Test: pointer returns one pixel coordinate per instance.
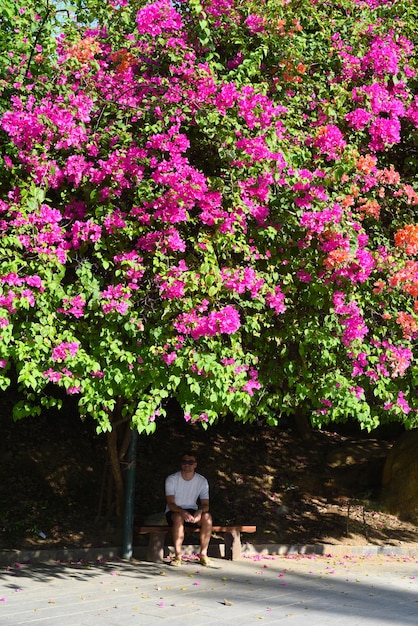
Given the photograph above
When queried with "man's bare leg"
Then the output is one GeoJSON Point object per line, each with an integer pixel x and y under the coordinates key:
{"type": "Point", "coordinates": [205, 533]}
{"type": "Point", "coordinates": [178, 533]}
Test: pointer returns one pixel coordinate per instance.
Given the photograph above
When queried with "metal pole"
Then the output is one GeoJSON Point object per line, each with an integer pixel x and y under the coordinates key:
{"type": "Point", "coordinates": [129, 503]}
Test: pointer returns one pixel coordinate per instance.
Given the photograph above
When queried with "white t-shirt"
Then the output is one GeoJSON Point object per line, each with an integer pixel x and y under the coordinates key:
{"type": "Point", "coordinates": [186, 492]}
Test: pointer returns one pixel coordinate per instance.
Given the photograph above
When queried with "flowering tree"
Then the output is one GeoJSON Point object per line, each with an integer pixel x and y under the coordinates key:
{"type": "Point", "coordinates": [213, 201]}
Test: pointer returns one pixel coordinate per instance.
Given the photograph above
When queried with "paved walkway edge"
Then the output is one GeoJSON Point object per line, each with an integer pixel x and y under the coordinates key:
{"type": "Point", "coordinates": [410, 549]}
{"type": "Point", "coordinates": [8, 557]}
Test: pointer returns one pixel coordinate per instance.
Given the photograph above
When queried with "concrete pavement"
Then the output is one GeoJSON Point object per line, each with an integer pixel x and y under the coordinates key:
{"type": "Point", "coordinates": [299, 590]}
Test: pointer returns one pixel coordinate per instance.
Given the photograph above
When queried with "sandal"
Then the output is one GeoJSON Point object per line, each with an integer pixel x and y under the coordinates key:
{"type": "Point", "coordinates": [206, 562]}
{"type": "Point", "coordinates": [176, 561]}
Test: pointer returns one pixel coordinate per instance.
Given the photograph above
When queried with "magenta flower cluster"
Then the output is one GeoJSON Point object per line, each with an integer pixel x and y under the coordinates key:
{"type": "Point", "coordinates": [350, 318]}
{"type": "Point", "coordinates": [225, 321]}
{"type": "Point", "coordinates": [383, 103]}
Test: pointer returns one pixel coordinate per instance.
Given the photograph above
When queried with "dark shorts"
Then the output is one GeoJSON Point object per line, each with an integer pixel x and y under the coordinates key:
{"type": "Point", "coordinates": [169, 514]}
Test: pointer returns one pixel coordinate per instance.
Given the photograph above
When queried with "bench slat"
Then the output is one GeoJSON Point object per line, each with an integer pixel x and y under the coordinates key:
{"type": "Point", "coordinates": [142, 530]}
{"type": "Point", "coordinates": [227, 529]}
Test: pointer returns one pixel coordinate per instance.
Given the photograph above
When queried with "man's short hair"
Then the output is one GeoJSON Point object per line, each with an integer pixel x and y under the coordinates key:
{"type": "Point", "coordinates": [189, 453]}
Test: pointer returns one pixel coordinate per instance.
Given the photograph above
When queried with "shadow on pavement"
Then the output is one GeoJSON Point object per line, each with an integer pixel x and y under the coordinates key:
{"type": "Point", "coordinates": [311, 592]}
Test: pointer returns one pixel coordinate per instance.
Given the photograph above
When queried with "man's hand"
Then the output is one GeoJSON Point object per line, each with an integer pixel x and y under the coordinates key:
{"type": "Point", "coordinates": [197, 516]}
{"type": "Point", "coordinates": [192, 518]}
{"type": "Point", "coordinates": [188, 517]}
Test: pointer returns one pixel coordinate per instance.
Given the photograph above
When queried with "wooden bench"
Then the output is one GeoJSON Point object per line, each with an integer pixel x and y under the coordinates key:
{"type": "Point", "coordinates": [230, 534]}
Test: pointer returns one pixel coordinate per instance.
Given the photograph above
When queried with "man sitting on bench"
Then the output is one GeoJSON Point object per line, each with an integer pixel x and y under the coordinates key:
{"type": "Point", "coordinates": [183, 490]}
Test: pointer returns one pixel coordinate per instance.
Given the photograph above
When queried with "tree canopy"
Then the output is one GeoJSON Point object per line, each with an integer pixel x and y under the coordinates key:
{"type": "Point", "coordinates": [211, 200]}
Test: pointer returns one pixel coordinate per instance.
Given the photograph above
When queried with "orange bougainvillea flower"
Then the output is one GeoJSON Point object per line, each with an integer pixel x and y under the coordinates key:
{"type": "Point", "coordinates": [408, 323]}
{"type": "Point", "coordinates": [406, 278]}
{"type": "Point", "coordinates": [407, 238]}
{"type": "Point", "coordinates": [290, 69]}
{"type": "Point", "coordinates": [123, 60]}
{"type": "Point", "coordinates": [379, 286]}
{"type": "Point", "coordinates": [366, 163]}
{"type": "Point", "coordinates": [411, 194]}
{"type": "Point", "coordinates": [84, 49]}
{"type": "Point", "coordinates": [354, 191]}
{"type": "Point", "coordinates": [347, 201]}
{"type": "Point", "coordinates": [389, 176]}
{"type": "Point", "coordinates": [336, 257]}
{"type": "Point", "coordinates": [370, 207]}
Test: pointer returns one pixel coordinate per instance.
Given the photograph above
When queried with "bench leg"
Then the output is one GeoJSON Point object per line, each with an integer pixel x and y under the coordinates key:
{"type": "Point", "coordinates": [155, 552]}
{"type": "Point", "coordinates": [232, 545]}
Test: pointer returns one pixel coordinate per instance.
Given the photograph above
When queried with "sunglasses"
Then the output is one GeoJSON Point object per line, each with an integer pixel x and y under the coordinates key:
{"type": "Point", "coordinates": [188, 462]}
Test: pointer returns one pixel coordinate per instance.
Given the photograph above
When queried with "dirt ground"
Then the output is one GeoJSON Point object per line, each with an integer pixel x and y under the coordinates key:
{"type": "Point", "coordinates": [324, 490]}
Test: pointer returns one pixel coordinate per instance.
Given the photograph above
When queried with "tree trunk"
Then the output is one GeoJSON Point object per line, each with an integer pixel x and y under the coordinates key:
{"type": "Point", "coordinates": [303, 426]}
{"type": "Point", "coordinates": [117, 445]}
{"type": "Point", "coordinates": [116, 472]}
